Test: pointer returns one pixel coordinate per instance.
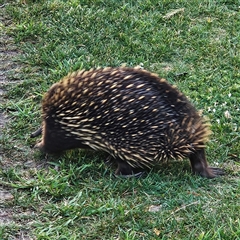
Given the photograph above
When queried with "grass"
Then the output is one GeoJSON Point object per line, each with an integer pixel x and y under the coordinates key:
{"type": "Point", "coordinates": [74, 195]}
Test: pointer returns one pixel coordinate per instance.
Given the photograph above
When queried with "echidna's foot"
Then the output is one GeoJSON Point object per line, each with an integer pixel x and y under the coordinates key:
{"type": "Point", "coordinates": [126, 170]}
{"type": "Point", "coordinates": [209, 172]}
{"type": "Point", "coordinates": [216, 171]}
{"type": "Point", "coordinates": [135, 175]}
{"type": "Point", "coordinates": [39, 146]}
{"type": "Point", "coordinates": [200, 166]}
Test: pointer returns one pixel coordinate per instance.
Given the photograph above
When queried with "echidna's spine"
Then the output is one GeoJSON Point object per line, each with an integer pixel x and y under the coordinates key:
{"type": "Point", "coordinates": [135, 116]}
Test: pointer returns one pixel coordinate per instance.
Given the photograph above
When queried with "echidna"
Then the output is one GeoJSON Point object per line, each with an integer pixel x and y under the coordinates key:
{"type": "Point", "coordinates": [132, 114]}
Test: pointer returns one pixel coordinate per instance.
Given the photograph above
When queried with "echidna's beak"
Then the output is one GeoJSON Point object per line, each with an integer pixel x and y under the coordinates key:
{"type": "Point", "coordinates": [36, 133]}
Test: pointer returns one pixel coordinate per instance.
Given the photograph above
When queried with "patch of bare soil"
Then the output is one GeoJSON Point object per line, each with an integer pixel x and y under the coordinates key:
{"type": "Point", "coordinates": [7, 54]}
{"type": "Point", "coordinates": [8, 65]}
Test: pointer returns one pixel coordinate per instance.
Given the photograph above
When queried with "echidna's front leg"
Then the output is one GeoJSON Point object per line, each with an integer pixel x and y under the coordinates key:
{"type": "Point", "coordinates": [200, 166]}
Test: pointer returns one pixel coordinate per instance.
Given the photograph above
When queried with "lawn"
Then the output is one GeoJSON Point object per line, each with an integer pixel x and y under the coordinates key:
{"type": "Point", "coordinates": [195, 45]}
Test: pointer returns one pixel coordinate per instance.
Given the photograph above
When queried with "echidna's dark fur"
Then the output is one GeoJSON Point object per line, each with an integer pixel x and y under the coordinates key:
{"type": "Point", "coordinates": [132, 114]}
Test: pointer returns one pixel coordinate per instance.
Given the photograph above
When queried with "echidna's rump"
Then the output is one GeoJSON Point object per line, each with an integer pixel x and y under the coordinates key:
{"type": "Point", "coordinates": [135, 116]}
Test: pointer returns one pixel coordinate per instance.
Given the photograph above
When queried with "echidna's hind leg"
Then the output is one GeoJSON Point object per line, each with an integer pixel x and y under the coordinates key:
{"type": "Point", "coordinates": [126, 170]}
{"type": "Point", "coordinates": [200, 166]}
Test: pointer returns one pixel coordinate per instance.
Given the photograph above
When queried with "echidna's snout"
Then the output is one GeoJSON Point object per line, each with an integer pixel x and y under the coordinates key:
{"type": "Point", "coordinates": [36, 133]}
